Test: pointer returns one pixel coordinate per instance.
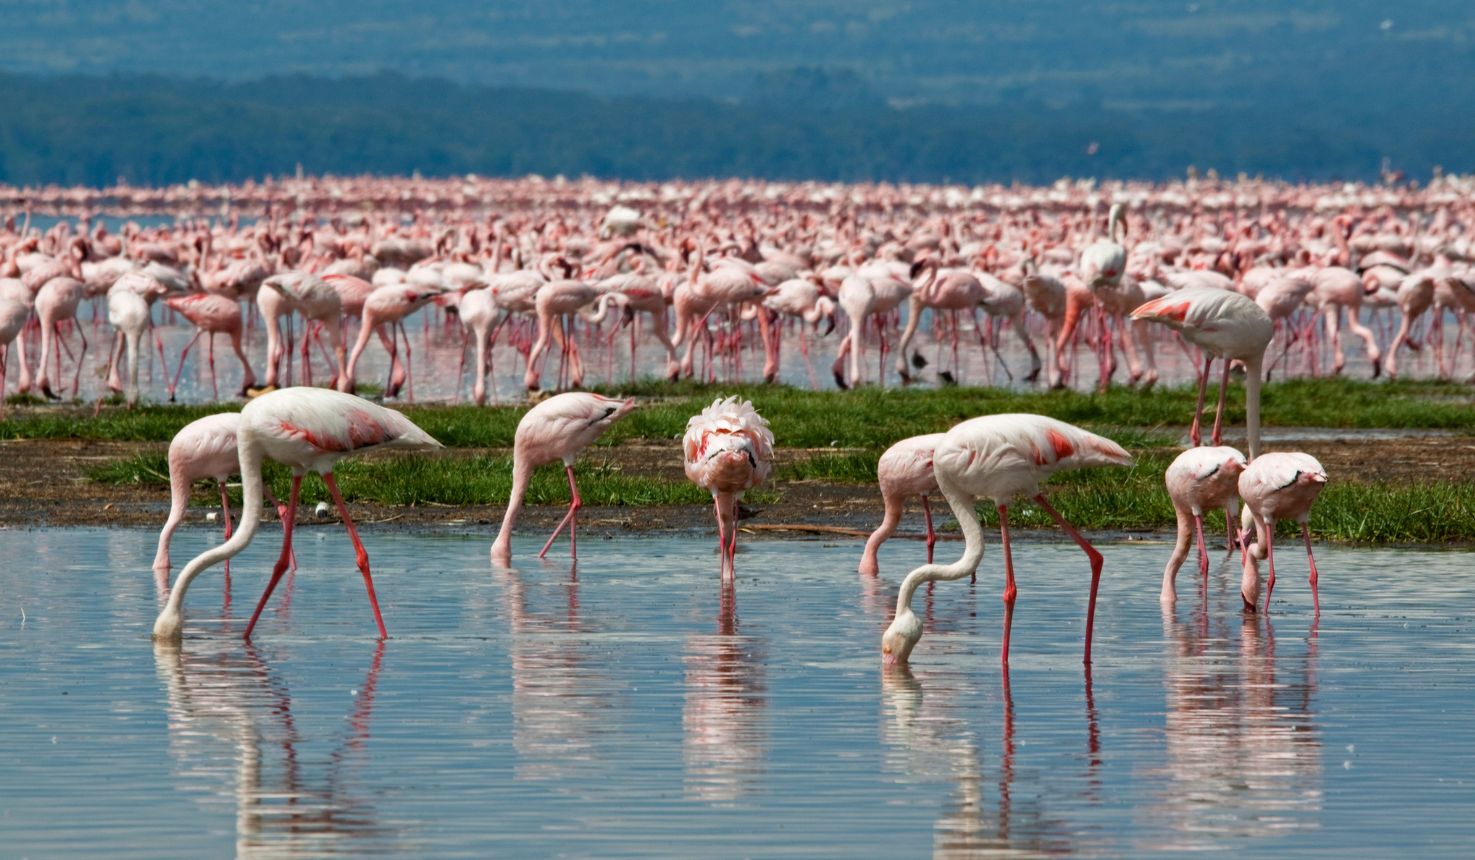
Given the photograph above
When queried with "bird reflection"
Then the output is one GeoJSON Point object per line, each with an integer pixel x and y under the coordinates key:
{"type": "Point", "coordinates": [555, 685]}
{"type": "Point", "coordinates": [1244, 752]}
{"type": "Point", "coordinates": [937, 744]}
{"type": "Point", "coordinates": [282, 807]}
{"type": "Point", "coordinates": [724, 733]}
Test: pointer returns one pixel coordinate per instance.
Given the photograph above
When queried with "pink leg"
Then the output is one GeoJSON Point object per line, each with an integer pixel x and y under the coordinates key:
{"type": "Point", "coordinates": [569, 519]}
{"type": "Point", "coordinates": [1096, 562]}
{"type": "Point", "coordinates": [1203, 551]}
{"type": "Point", "coordinates": [1219, 411]}
{"type": "Point", "coordinates": [225, 512]}
{"type": "Point", "coordinates": [1010, 592]}
{"type": "Point", "coordinates": [210, 351]}
{"type": "Point", "coordinates": [180, 371]}
{"type": "Point", "coordinates": [281, 566]}
{"type": "Point", "coordinates": [1269, 533]}
{"type": "Point", "coordinates": [358, 546]}
{"type": "Point", "coordinates": [721, 539]}
{"type": "Point", "coordinates": [281, 515]}
{"type": "Point", "coordinates": [1229, 527]}
{"type": "Point", "coordinates": [1311, 560]}
{"type": "Point", "coordinates": [1194, 435]}
{"type": "Point", "coordinates": [931, 535]}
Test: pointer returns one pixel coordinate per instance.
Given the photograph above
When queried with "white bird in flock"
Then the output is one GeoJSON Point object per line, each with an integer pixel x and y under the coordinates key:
{"type": "Point", "coordinates": [1223, 324]}
{"type": "Point", "coordinates": [1000, 457]}
{"type": "Point", "coordinates": [905, 469]}
{"type": "Point", "coordinates": [1278, 486]}
{"type": "Point", "coordinates": [728, 450]}
{"type": "Point", "coordinates": [1104, 261]}
{"type": "Point", "coordinates": [1200, 479]}
{"type": "Point", "coordinates": [307, 429]}
{"type": "Point", "coordinates": [556, 429]}
{"type": "Point", "coordinates": [130, 300]}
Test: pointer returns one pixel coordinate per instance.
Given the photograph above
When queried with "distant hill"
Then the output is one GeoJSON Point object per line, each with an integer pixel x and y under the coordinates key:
{"type": "Point", "coordinates": [798, 124]}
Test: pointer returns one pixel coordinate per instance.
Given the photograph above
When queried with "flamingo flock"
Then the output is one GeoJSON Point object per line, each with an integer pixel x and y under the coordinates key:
{"type": "Point", "coordinates": [713, 279]}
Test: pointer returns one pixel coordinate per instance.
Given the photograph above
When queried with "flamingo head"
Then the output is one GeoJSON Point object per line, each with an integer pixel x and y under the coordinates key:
{"type": "Point", "coordinates": [900, 638]}
{"type": "Point", "coordinates": [169, 626]}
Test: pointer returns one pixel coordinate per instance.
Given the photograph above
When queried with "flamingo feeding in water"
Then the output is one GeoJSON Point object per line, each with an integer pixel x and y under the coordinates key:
{"type": "Point", "coordinates": [729, 450]}
{"type": "Point", "coordinates": [1000, 457]}
{"type": "Point", "coordinates": [307, 429]}
{"type": "Point", "coordinates": [904, 470]}
{"type": "Point", "coordinates": [1200, 479]}
{"type": "Point", "coordinates": [556, 429]}
{"type": "Point", "coordinates": [212, 314]}
{"type": "Point", "coordinates": [1277, 486]}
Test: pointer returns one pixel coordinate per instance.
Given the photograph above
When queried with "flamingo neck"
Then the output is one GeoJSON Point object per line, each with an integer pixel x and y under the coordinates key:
{"type": "Point", "coordinates": [1253, 375]}
{"type": "Point", "coordinates": [967, 517]}
{"type": "Point", "coordinates": [522, 473]}
{"type": "Point", "coordinates": [250, 519]}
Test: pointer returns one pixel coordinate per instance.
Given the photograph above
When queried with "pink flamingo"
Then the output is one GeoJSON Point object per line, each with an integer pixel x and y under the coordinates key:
{"type": "Point", "coordinates": [478, 312]}
{"type": "Point", "coordinates": [905, 469]}
{"type": "Point", "coordinates": [1200, 479]}
{"type": "Point", "coordinates": [1278, 486]}
{"type": "Point", "coordinates": [1104, 261]}
{"type": "Point", "coordinates": [728, 450]}
{"type": "Point", "coordinates": [556, 429]}
{"type": "Point", "coordinates": [130, 302]}
{"type": "Point", "coordinates": [56, 302]}
{"type": "Point", "coordinates": [384, 312]}
{"type": "Point", "coordinates": [14, 313]}
{"type": "Point", "coordinates": [212, 314]}
{"type": "Point", "coordinates": [1223, 324]}
{"type": "Point", "coordinates": [862, 297]}
{"type": "Point", "coordinates": [561, 299]}
{"type": "Point", "coordinates": [1000, 457]}
{"type": "Point", "coordinates": [315, 299]}
{"type": "Point", "coordinates": [307, 429]}
{"type": "Point", "coordinates": [204, 448]}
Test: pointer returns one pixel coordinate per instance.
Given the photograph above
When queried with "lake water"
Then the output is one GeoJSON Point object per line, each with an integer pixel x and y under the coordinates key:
{"type": "Point", "coordinates": [626, 709]}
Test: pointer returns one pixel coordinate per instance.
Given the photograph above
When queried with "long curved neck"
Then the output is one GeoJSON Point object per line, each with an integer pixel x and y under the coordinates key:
{"type": "Point", "coordinates": [967, 517]}
{"type": "Point", "coordinates": [1253, 376]}
{"type": "Point", "coordinates": [522, 473]}
{"type": "Point", "coordinates": [251, 491]}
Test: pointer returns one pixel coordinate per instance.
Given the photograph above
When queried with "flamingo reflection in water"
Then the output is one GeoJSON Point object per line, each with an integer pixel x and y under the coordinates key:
{"type": "Point", "coordinates": [556, 682]}
{"type": "Point", "coordinates": [723, 720]}
{"type": "Point", "coordinates": [1243, 753]}
{"type": "Point", "coordinates": [231, 695]}
{"type": "Point", "coordinates": [938, 743]}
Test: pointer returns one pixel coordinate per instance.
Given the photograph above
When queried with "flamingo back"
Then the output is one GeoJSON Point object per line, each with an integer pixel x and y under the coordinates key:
{"type": "Point", "coordinates": [1006, 456]}
{"type": "Point", "coordinates": [729, 426]}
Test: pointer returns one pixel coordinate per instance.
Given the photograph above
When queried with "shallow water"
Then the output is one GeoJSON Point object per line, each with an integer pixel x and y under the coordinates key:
{"type": "Point", "coordinates": [626, 709]}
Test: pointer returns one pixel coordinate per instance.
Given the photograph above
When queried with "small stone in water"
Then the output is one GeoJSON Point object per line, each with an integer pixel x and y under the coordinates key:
{"type": "Point", "coordinates": [211, 517]}
{"type": "Point", "coordinates": [321, 510]}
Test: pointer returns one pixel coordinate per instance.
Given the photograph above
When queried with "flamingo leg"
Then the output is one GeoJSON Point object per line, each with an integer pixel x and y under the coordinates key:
{"type": "Point", "coordinates": [358, 547]}
{"type": "Point", "coordinates": [1269, 534]}
{"type": "Point", "coordinates": [1229, 525]}
{"type": "Point", "coordinates": [1203, 551]}
{"type": "Point", "coordinates": [1311, 560]}
{"type": "Point", "coordinates": [180, 371]}
{"type": "Point", "coordinates": [931, 534]}
{"type": "Point", "coordinates": [281, 566]}
{"type": "Point", "coordinates": [1095, 559]}
{"type": "Point", "coordinates": [1218, 436]}
{"type": "Point", "coordinates": [1194, 435]}
{"type": "Point", "coordinates": [281, 515]}
{"type": "Point", "coordinates": [1010, 591]}
{"type": "Point", "coordinates": [721, 539]}
{"type": "Point", "coordinates": [570, 519]}
{"type": "Point", "coordinates": [225, 512]}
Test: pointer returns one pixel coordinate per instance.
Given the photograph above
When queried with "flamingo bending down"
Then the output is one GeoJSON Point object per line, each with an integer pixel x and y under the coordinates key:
{"type": "Point", "coordinates": [1000, 457]}
{"type": "Point", "coordinates": [13, 316]}
{"type": "Point", "coordinates": [384, 312]}
{"type": "Point", "coordinates": [1223, 324]}
{"type": "Point", "coordinates": [1200, 479]}
{"type": "Point", "coordinates": [130, 301]}
{"type": "Point", "coordinates": [1277, 486]}
{"type": "Point", "coordinates": [556, 429]}
{"type": "Point", "coordinates": [57, 301]}
{"type": "Point", "coordinates": [728, 450]}
{"type": "Point", "coordinates": [308, 429]}
{"type": "Point", "coordinates": [478, 312]}
{"type": "Point", "coordinates": [904, 470]}
{"type": "Point", "coordinates": [212, 314]}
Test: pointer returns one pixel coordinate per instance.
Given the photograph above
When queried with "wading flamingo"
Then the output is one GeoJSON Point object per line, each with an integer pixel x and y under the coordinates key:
{"type": "Point", "coordinates": [308, 429]}
{"type": "Point", "coordinates": [212, 314]}
{"type": "Point", "coordinates": [1277, 486]}
{"type": "Point", "coordinates": [728, 450]}
{"type": "Point", "coordinates": [1200, 479]}
{"type": "Point", "coordinates": [1225, 325]}
{"type": "Point", "coordinates": [1000, 457]}
{"type": "Point", "coordinates": [904, 470]}
{"type": "Point", "coordinates": [556, 429]}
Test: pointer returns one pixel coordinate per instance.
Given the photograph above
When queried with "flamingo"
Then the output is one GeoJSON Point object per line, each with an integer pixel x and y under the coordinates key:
{"type": "Point", "coordinates": [905, 469]}
{"type": "Point", "coordinates": [1104, 261]}
{"type": "Point", "coordinates": [130, 300]}
{"type": "Point", "coordinates": [57, 301]}
{"type": "Point", "coordinates": [561, 299]}
{"type": "Point", "coordinates": [729, 450]}
{"type": "Point", "coordinates": [477, 309]}
{"type": "Point", "coordinates": [1200, 479]}
{"type": "Point", "coordinates": [862, 297]}
{"type": "Point", "coordinates": [384, 312]}
{"type": "Point", "coordinates": [1000, 457]}
{"type": "Point", "coordinates": [1223, 324]}
{"type": "Point", "coordinates": [556, 429]}
{"type": "Point", "coordinates": [307, 429]}
{"type": "Point", "coordinates": [1278, 486]}
{"type": "Point", "coordinates": [212, 314]}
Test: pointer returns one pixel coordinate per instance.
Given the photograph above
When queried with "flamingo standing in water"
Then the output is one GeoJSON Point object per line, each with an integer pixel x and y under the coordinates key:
{"type": "Point", "coordinates": [556, 429]}
{"type": "Point", "coordinates": [212, 314]}
{"type": "Point", "coordinates": [1200, 479]}
{"type": "Point", "coordinates": [1278, 486]}
{"type": "Point", "coordinates": [729, 450]}
{"type": "Point", "coordinates": [1223, 324]}
{"type": "Point", "coordinates": [384, 312]}
{"type": "Point", "coordinates": [307, 429]}
{"type": "Point", "coordinates": [130, 302]}
{"type": "Point", "coordinates": [904, 470]}
{"type": "Point", "coordinates": [1000, 457]}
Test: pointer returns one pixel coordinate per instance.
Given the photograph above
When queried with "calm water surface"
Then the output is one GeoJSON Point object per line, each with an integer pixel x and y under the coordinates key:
{"type": "Point", "coordinates": [626, 708]}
